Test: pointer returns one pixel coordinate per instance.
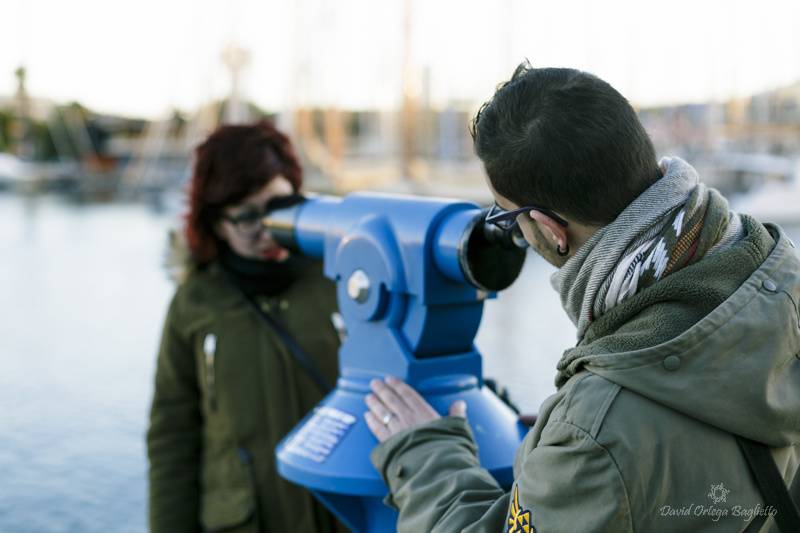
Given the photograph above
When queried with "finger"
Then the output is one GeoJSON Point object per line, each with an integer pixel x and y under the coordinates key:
{"type": "Point", "coordinates": [376, 407]}
{"type": "Point", "coordinates": [410, 396]}
{"type": "Point", "coordinates": [459, 408]}
{"type": "Point", "coordinates": [380, 412]}
{"type": "Point", "coordinates": [380, 431]}
{"type": "Point", "coordinates": [390, 398]}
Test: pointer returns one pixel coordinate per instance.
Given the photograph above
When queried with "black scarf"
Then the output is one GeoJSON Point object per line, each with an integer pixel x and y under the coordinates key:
{"type": "Point", "coordinates": [259, 277]}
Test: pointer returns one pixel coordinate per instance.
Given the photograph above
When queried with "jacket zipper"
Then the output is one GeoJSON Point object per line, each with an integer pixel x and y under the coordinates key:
{"type": "Point", "coordinates": [210, 350]}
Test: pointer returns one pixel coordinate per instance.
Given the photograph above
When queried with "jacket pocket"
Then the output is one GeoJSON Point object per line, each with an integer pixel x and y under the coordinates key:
{"type": "Point", "coordinates": [228, 500]}
{"type": "Point", "coordinates": [225, 509]}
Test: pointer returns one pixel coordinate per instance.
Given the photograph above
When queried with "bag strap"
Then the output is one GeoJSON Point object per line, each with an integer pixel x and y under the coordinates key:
{"type": "Point", "coordinates": [299, 354]}
{"type": "Point", "coordinates": [771, 484]}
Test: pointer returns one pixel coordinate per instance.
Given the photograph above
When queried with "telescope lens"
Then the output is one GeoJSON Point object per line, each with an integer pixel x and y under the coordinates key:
{"type": "Point", "coordinates": [492, 258]}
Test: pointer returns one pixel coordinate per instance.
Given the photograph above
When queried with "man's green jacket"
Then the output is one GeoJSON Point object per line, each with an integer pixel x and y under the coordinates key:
{"type": "Point", "coordinates": [640, 435]}
{"type": "Point", "coordinates": [226, 391]}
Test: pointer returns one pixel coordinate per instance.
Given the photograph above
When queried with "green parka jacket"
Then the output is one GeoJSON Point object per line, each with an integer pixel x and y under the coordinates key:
{"type": "Point", "coordinates": [639, 436]}
{"type": "Point", "coordinates": [226, 391]}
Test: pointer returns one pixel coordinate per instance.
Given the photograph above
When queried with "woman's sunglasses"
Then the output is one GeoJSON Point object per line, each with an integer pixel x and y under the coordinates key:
{"type": "Point", "coordinates": [248, 223]}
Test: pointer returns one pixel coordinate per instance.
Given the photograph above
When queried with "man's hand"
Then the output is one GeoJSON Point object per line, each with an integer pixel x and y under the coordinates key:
{"type": "Point", "coordinates": [394, 406]}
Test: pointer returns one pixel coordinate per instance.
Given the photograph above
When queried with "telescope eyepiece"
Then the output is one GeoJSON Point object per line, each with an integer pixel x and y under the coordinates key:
{"type": "Point", "coordinates": [491, 258]}
{"type": "Point", "coordinates": [280, 219]}
{"type": "Point", "coordinates": [507, 238]}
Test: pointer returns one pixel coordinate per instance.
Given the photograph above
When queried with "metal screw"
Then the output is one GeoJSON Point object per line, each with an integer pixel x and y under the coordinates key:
{"type": "Point", "coordinates": [358, 286]}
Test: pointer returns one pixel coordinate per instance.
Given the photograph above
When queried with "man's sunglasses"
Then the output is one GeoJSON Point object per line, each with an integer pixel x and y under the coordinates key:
{"type": "Point", "coordinates": [506, 220]}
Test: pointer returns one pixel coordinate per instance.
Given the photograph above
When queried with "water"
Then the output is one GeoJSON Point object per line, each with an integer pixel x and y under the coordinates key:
{"type": "Point", "coordinates": [84, 296]}
{"type": "Point", "coordinates": [83, 299]}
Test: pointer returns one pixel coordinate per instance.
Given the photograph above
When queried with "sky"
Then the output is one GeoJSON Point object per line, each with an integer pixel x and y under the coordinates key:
{"type": "Point", "coordinates": [147, 57]}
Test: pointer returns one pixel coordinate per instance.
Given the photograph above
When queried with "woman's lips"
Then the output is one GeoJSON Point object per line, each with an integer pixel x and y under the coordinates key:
{"type": "Point", "coordinates": [275, 253]}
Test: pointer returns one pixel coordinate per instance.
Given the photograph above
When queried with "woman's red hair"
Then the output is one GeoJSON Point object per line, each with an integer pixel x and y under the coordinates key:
{"type": "Point", "coordinates": [232, 163]}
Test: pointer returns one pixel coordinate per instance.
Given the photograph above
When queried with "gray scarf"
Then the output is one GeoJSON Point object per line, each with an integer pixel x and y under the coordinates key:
{"type": "Point", "coordinates": [607, 268]}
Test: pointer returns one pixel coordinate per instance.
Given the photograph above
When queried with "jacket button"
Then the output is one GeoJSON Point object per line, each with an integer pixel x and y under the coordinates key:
{"type": "Point", "coordinates": [266, 307]}
{"type": "Point", "coordinates": [769, 285]}
{"type": "Point", "coordinates": [672, 362]}
{"type": "Point", "coordinates": [284, 305]}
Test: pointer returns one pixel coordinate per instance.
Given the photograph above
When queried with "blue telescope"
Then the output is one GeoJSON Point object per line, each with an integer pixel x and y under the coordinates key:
{"type": "Point", "coordinates": [411, 275]}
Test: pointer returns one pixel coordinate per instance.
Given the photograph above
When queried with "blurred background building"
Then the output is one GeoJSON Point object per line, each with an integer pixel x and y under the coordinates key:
{"type": "Point", "coordinates": [382, 96]}
{"type": "Point", "coordinates": [738, 144]}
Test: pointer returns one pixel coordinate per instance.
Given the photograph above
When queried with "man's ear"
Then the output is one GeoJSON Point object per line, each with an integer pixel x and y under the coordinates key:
{"type": "Point", "coordinates": [551, 228]}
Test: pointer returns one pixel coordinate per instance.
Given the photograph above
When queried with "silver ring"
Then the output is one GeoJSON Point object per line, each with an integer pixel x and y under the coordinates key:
{"type": "Point", "coordinates": [387, 418]}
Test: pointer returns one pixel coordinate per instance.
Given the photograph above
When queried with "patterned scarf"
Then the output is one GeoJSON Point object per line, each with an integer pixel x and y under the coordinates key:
{"type": "Point", "coordinates": [657, 234]}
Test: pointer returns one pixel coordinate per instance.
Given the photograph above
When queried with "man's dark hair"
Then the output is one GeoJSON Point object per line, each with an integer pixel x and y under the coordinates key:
{"type": "Point", "coordinates": [565, 140]}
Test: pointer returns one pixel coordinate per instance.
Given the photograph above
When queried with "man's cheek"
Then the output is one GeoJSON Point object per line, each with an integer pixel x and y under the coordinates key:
{"type": "Point", "coordinates": [536, 237]}
{"type": "Point", "coordinates": [528, 233]}
{"type": "Point", "coordinates": [542, 246]}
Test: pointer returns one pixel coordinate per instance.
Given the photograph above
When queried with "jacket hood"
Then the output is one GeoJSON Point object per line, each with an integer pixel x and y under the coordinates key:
{"type": "Point", "coordinates": [738, 367]}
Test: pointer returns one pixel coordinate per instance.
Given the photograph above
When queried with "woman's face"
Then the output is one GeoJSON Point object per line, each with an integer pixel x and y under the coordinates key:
{"type": "Point", "coordinates": [247, 237]}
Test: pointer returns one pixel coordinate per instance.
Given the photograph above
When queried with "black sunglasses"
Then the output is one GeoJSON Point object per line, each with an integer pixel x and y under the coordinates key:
{"type": "Point", "coordinates": [506, 220]}
{"type": "Point", "coordinates": [249, 222]}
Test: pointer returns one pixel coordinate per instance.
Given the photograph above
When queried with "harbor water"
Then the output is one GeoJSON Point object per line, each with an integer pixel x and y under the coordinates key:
{"type": "Point", "coordinates": [84, 293]}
